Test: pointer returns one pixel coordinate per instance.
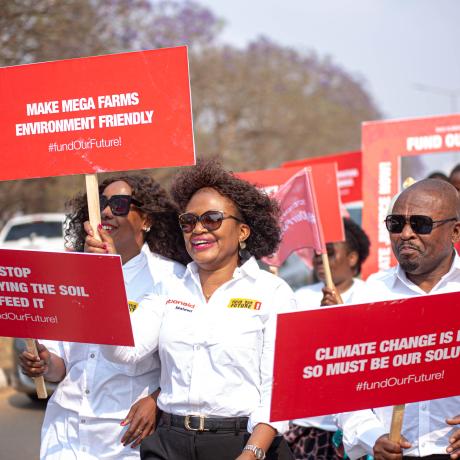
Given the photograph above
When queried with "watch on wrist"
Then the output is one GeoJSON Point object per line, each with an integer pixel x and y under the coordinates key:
{"type": "Point", "coordinates": [257, 451]}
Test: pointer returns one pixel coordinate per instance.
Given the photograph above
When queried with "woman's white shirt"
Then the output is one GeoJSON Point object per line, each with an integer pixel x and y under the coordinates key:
{"type": "Point", "coordinates": [217, 356]}
{"type": "Point", "coordinates": [162, 267]}
{"type": "Point", "coordinates": [95, 386]}
{"type": "Point", "coordinates": [82, 419]}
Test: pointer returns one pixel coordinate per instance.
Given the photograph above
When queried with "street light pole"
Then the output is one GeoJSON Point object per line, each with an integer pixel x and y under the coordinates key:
{"type": "Point", "coordinates": [452, 94]}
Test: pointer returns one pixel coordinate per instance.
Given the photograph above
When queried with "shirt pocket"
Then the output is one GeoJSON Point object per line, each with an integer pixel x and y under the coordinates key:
{"type": "Point", "coordinates": [237, 341]}
{"type": "Point", "coordinates": [74, 353]}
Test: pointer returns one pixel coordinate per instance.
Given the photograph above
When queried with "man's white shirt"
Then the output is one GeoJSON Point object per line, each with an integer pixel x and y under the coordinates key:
{"type": "Point", "coordinates": [424, 423]}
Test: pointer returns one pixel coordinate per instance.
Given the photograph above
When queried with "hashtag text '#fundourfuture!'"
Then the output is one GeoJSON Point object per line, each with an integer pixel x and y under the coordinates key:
{"type": "Point", "coordinates": [399, 381]}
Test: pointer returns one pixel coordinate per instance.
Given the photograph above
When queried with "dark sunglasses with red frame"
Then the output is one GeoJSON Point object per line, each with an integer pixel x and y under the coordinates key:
{"type": "Point", "coordinates": [210, 220]}
{"type": "Point", "coordinates": [119, 204]}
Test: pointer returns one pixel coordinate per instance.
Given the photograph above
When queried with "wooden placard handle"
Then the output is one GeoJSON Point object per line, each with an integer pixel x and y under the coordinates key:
{"type": "Point", "coordinates": [92, 194]}
{"type": "Point", "coordinates": [328, 275]}
{"type": "Point", "coordinates": [39, 381]}
{"type": "Point", "coordinates": [396, 422]}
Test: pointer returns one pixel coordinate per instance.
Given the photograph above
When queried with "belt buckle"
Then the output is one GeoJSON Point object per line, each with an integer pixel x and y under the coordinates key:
{"type": "Point", "coordinates": [200, 426]}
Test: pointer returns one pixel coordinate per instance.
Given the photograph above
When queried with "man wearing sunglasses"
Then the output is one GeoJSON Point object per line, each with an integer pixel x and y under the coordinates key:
{"type": "Point", "coordinates": [423, 227]}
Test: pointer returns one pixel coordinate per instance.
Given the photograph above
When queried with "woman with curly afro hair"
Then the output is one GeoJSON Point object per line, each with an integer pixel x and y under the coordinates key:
{"type": "Point", "coordinates": [100, 407]}
{"type": "Point", "coordinates": [218, 331]}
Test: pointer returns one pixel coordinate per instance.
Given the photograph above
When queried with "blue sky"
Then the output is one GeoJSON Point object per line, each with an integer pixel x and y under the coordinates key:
{"type": "Point", "coordinates": [392, 45]}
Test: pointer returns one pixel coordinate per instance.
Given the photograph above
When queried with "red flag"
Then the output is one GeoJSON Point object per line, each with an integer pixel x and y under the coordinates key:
{"type": "Point", "coordinates": [299, 218]}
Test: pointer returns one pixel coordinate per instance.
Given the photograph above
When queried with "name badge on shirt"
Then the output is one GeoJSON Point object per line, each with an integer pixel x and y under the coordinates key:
{"type": "Point", "coordinates": [181, 305]}
{"type": "Point", "coordinates": [247, 304]}
{"type": "Point", "coordinates": [132, 306]}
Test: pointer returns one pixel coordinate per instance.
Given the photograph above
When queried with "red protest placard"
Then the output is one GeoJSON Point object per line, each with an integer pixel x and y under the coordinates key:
{"type": "Point", "coordinates": [349, 172]}
{"type": "Point", "coordinates": [97, 114]}
{"type": "Point", "coordinates": [354, 357]}
{"type": "Point", "coordinates": [393, 151]}
{"type": "Point", "coordinates": [269, 179]}
{"type": "Point", "coordinates": [85, 302]}
{"type": "Point", "coordinates": [325, 186]}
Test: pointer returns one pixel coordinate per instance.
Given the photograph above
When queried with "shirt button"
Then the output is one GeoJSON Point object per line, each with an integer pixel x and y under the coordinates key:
{"type": "Point", "coordinates": [87, 392]}
{"type": "Point", "coordinates": [92, 355]}
{"type": "Point", "coordinates": [423, 406]}
{"type": "Point", "coordinates": [197, 347]}
{"type": "Point", "coordinates": [83, 420]}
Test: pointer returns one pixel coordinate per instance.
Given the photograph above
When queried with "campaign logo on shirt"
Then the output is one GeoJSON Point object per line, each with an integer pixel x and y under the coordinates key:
{"type": "Point", "coordinates": [132, 306]}
{"type": "Point", "coordinates": [248, 304]}
{"type": "Point", "coordinates": [181, 305]}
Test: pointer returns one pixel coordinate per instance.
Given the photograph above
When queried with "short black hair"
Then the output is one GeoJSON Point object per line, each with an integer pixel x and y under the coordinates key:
{"type": "Point", "coordinates": [356, 240]}
{"type": "Point", "coordinates": [438, 175]}
{"type": "Point", "coordinates": [257, 210]}
{"type": "Point", "coordinates": [164, 237]}
{"type": "Point", "coordinates": [454, 171]}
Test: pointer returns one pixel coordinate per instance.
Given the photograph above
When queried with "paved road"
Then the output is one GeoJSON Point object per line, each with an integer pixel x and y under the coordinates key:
{"type": "Point", "coordinates": [20, 423]}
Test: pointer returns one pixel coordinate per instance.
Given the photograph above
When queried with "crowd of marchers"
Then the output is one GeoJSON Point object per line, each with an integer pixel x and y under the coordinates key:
{"type": "Point", "coordinates": [197, 384]}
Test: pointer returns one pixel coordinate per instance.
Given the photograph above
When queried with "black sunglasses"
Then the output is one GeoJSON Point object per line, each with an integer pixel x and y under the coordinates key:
{"type": "Point", "coordinates": [119, 204]}
{"type": "Point", "coordinates": [422, 225]}
{"type": "Point", "coordinates": [210, 220]}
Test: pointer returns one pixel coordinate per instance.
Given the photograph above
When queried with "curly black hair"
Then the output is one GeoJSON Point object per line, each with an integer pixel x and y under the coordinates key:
{"type": "Point", "coordinates": [164, 238]}
{"type": "Point", "coordinates": [356, 240]}
{"type": "Point", "coordinates": [257, 210]}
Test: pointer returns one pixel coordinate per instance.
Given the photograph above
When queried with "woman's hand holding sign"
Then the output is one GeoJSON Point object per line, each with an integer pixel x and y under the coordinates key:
{"type": "Point", "coordinates": [330, 297]}
{"type": "Point", "coordinates": [93, 245]}
{"type": "Point", "coordinates": [46, 364]}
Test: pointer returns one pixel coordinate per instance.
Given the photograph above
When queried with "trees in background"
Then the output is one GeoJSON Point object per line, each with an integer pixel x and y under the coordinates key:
{"type": "Point", "coordinates": [254, 106]}
{"type": "Point", "coordinates": [266, 103]}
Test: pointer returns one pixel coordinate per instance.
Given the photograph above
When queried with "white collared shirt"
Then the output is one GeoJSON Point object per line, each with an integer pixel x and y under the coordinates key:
{"type": "Point", "coordinates": [161, 267]}
{"type": "Point", "coordinates": [424, 423]}
{"type": "Point", "coordinates": [97, 387]}
{"type": "Point", "coordinates": [217, 357]}
{"type": "Point", "coordinates": [309, 298]}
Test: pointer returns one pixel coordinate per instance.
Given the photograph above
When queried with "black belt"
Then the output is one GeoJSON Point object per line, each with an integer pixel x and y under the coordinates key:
{"type": "Point", "coordinates": [202, 423]}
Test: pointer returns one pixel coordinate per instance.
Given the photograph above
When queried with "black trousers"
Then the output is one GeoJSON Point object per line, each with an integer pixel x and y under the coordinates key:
{"type": "Point", "coordinates": [172, 443]}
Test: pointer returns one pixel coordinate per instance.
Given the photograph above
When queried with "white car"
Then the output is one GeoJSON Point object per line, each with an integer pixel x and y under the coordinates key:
{"type": "Point", "coordinates": [40, 232]}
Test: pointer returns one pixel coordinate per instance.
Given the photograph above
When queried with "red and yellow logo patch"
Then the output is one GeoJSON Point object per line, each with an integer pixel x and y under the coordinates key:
{"type": "Point", "coordinates": [132, 306]}
{"type": "Point", "coordinates": [247, 304]}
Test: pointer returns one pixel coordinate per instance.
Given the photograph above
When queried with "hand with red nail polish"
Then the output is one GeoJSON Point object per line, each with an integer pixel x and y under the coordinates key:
{"type": "Point", "coordinates": [95, 246]}
{"type": "Point", "coordinates": [141, 420]}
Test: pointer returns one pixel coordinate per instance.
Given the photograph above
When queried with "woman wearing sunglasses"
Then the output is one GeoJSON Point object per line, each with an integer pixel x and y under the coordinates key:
{"type": "Point", "coordinates": [217, 337]}
{"type": "Point", "coordinates": [89, 414]}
